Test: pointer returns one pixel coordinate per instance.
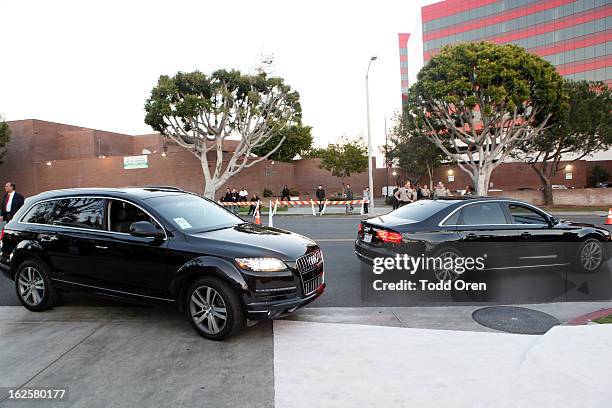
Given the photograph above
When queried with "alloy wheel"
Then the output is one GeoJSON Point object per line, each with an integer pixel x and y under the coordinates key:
{"type": "Point", "coordinates": [446, 274]}
{"type": "Point", "coordinates": [591, 255]}
{"type": "Point", "coordinates": [208, 310]}
{"type": "Point", "coordinates": [31, 286]}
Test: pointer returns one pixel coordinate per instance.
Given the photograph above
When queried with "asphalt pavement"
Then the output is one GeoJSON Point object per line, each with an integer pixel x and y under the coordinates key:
{"type": "Point", "coordinates": [335, 234]}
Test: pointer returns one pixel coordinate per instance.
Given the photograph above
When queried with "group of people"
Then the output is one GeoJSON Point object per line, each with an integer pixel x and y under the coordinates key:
{"type": "Point", "coordinates": [407, 194]}
{"type": "Point", "coordinates": [234, 196]}
{"type": "Point", "coordinates": [348, 195]}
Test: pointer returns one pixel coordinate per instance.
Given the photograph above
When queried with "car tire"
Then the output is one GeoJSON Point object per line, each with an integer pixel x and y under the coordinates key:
{"type": "Point", "coordinates": [590, 255]}
{"type": "Point", "coordinates": [442, 275]}
{"type": "Point", "coordinates": [214, 308]}
{"type": "Point", "coordinates": [33, 286]}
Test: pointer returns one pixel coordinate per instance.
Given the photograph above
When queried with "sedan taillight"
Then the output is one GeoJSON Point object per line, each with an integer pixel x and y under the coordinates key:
{"type": "Point", "coordinates": [360, 228]}
{"type": "Point", "coordinates": [2, 234]}
{"type": "Point", "coordinates": [389, 236]}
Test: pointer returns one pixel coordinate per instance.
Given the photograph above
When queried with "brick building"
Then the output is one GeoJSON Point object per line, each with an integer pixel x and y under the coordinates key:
{"type": "Point", "coordinates": [45, 155]}
{"type": "Point", "coordinates": [573, 35]}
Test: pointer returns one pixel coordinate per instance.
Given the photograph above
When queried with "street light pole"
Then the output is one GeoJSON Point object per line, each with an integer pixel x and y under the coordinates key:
{"type": "Point", "coordinates": [370, 177]}
{"type": "Point", "coordinates": [386, 160]}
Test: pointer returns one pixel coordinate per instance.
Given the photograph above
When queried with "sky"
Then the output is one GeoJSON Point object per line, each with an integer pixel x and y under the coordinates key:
{"type": "Point", "coordinates": [93, 64]}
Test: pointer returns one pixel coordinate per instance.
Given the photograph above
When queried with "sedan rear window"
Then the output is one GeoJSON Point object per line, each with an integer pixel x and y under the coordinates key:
{"type": "Point", "coordinates": [482, 214]}
{"type": "Point", "coordinates": [191, 213]}
{"type": "Point", "coordinates": [420, 210]}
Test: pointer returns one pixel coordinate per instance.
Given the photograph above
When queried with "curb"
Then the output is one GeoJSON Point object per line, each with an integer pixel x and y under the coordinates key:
{"type": "Point", "coordinates": [589, 317]}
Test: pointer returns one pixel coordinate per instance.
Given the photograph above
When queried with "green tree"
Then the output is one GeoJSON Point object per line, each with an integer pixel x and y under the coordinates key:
{"type": "Point", "coordinates": [199, 112]}
{"type": "Point", "coordinates": [5, 137]}
{"type": "Point", "coordinates": [413, 150]}
{"type": "Point", "coordinates": [313, 152]}
{"type": "Point", "coordinates": [480, 101]}
{"type": "Point", "coordinates": [297, 140]}
{"type": "Point", "coordinates": [586, 129]}
{"type": "Point", "coordinates": [349, 156]}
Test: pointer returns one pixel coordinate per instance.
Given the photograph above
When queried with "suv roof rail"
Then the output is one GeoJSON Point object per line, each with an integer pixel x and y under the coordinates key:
{"type": "Point", "coordinates": [154, 187]}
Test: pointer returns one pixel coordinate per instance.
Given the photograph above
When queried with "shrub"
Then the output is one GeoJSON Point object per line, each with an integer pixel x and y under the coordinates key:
{"type": "Point", "coordinates": [267, 192]}
{"type": "Point", "coordinates": [293, 192]}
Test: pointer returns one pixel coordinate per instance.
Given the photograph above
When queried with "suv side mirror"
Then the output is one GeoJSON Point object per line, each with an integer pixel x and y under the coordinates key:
{"type": "Point", "coordinates": [145, 229]}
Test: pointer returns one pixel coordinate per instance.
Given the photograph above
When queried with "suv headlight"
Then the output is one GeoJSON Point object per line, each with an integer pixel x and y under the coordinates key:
{"type": "Point", "coordinates": [261, 264]}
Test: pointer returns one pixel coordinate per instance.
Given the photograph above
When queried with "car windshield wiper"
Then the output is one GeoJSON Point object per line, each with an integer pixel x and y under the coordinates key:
{"type": "Point", "coordinates": [220, 227]}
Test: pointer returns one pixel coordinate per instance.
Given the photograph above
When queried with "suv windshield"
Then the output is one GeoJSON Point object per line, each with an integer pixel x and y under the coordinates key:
{"type": "Point", "coordinates": [193, 213]}
{"type": "Point", "coordinates": [420, 210]}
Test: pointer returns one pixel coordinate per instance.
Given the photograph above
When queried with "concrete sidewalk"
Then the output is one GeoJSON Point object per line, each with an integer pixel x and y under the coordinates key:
{"type": "Point", "coordinates": [346, 365]}
{"type": "Point", "coordinates": [132, 357]}
{"type": "Point", "coordinates": [434, 317]}
{"type": "Point", "coordinates": [129, 356]}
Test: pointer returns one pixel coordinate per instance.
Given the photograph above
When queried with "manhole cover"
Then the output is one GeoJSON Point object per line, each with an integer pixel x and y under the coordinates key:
{"type": "Point", "coordinates": [514, 319]}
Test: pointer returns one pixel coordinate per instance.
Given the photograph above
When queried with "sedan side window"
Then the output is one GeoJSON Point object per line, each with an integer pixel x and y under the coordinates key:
{"type": "Point", "coordinates": [39, 213]}
{"type": "Point", "coordinates": [80, 212]}
{"type": "Point", "coordinates": [482, 214]}
{"type": "Point", "coordinates": [121, 215]}
{"type": "Point", "coordinates": [525, 215]}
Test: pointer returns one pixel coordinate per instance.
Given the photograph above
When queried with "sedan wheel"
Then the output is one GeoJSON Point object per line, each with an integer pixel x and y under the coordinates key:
{"type": "Point", "coordinates": [208, 310]}
{"type": "Point", "coordinates": [446, 274]}
{"type": "Point", "coordinates": [591, 255]}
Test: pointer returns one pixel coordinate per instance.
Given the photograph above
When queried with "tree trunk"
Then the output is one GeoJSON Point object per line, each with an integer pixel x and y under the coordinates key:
{"type": "Point", "coordinates": [209, 190]}
{"type": "Point", "coordinates": [482, 181]}
{"type": "Point", "coordinates": [546, 184]}
{"type": "Point", "coordinates": [430, 174]}
{"type": "Point", "coordinates": [548, 194]}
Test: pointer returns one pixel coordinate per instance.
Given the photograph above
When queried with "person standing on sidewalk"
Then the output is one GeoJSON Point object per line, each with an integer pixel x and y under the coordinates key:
{"type": "Point", "coordinates": [235, 197]}
{"type": "Point", "coordinates": [366, 197]}
{"type": "Point", "coordinates": [11, 202]}
{"type": "Point", "coordinates": [405, 195]}
{"type": "Point", "coordinates": [441, 190]}
{"type": "Point", "coordinates": [349, 196]}
{"type": "Point", "coordinates": [285, 193]}
{"type": "Point", "coordinates": [254, 201]}
{"type": "Point", "coordinates": [425, 192]}
{"type": "Point", "coordinates": [395, 200]}
{"type": "Point", "coordinates": [321, 197]}
{"type": "Point", "coordinates": [243, 194]}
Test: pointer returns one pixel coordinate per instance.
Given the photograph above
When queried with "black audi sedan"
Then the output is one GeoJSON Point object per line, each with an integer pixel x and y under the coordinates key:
{"type": "Point", "coordinates": [158, 244]}
{"type": "Point", "coordinates": [504, 233]}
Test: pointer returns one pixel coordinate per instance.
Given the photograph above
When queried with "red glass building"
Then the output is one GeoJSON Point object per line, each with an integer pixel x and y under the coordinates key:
{"type": "Point", "coordinates": [574, 35]}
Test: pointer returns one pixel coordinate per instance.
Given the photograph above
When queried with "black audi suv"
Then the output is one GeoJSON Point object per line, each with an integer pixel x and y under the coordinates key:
{"type": "Point", "coordinates": [159, 244]}
{"type": "Point", "coordinates": [508, 234]}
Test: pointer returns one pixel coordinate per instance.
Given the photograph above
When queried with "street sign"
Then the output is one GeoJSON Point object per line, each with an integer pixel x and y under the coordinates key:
{"type": "Point", "coordinates": [135, 162]}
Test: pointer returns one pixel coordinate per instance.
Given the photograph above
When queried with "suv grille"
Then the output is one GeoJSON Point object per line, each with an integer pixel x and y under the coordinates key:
{"type": "Point", "coordinates": [313, 284]}
{"type": "Point", "coordinates": [310, 267]}
{"type": "Point", "coordinates": [309, 262]}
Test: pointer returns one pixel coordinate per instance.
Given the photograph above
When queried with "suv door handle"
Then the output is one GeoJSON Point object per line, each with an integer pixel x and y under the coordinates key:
{"type": "Point", "coordinates": [101, 247]}
{"type": "Point", "coordinates": [525, 234]}
{"type": "Point", "coordinates": [47, 238]}
{"type": "Point", "coordinates": [471, 235]}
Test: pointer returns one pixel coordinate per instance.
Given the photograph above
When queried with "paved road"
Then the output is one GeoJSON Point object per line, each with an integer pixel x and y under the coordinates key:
{"type": "Point", "coordinates": [335, 235]}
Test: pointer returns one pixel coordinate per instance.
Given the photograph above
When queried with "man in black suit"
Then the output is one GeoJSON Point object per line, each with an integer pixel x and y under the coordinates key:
{"type": "Point", "coordinates": [11, 202]}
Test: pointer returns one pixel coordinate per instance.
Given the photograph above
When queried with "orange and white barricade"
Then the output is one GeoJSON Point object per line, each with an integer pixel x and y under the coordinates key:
{"type": "Point", "coordinates": [275, 204]}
